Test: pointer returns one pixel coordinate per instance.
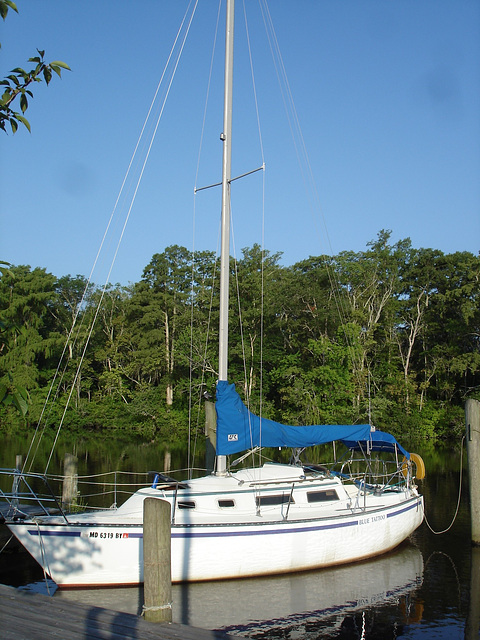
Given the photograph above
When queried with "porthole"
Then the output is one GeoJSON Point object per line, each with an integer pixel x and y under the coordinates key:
{"type": "Point", "coordinates": [226, 504]}
{"type": "Point", "coordinates": [186, 504]}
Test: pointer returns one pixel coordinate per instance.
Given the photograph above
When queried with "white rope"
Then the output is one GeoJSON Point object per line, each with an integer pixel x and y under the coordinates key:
{"type": "Point", "coordinates": [6, 544]}
{"type": "Point", "coordinates": [437, 533]}
{"type": "Point", "coordinates": [362, 637]}
{"type": "Point", "coordinates": [162, 607]}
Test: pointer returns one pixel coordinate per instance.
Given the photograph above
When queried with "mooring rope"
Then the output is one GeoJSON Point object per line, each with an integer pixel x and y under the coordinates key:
{"type": "Point", "coordinates": [6, 544]}
{"type": "Point", "coordinates": [44, 559]}
{"type": "Point", "coordinates": [363, 626]}
{"type": "Point", "coordinates": [161, 607]}
{"type": "Point", "coordinates": [437, 533]}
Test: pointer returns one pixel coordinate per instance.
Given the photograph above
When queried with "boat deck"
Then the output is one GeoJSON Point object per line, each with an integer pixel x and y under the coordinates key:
{"type": "Point", "coordinates": [32, 616]}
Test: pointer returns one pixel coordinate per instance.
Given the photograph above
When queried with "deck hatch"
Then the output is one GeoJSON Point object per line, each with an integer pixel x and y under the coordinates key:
{"type": "Point", "coordinates": [328, 495]}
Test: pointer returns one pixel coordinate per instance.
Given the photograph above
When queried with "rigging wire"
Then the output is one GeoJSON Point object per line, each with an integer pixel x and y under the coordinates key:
{"type": "Point", "coordinates": [309, 183]}
{"type": "Point", "coordinates": [130, 207]}
{"type": "Point", "coordinates": [247, 384]}
{"type": "Point", "coordinates": [177, 46]}
{"type": "Point", "coordinates": [262, 297]}
{"type": "Point", "coordinates": [248, 376]}
{"type": "Point", "coordinates": [307, 174]}
{"type": "Point", "coordinates": [190, 454]}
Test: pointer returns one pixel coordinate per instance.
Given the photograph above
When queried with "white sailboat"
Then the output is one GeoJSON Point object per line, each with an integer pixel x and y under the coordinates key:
{"type": "Point", "coordinates": [256, 521]}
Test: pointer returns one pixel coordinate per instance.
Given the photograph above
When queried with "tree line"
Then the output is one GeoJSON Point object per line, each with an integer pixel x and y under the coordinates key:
{"type": "Point", "coordinates": [388, 335]}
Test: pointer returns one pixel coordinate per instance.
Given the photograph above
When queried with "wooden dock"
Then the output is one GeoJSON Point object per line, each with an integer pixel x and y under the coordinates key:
{"type": "Point", "coordinates": [32, 616]}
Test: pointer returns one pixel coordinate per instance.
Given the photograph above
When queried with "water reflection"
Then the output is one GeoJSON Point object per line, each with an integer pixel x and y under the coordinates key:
{"type": "Point", "coordinates": [287, 603]}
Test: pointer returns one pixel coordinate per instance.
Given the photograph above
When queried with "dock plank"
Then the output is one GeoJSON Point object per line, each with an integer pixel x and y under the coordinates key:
{"type": "Point", "coordinates": [32, 616]}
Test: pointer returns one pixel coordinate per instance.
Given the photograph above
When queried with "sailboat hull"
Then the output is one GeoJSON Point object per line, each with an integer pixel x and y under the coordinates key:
{"type": "Point", "coordinates": [111, 552]}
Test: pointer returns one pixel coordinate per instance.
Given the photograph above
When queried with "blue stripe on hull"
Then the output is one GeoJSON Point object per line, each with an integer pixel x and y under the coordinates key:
{"type": "Point", "coordinates": [226, 533]}
{"type": "Point", "coordinates": [410, 506]}
{"type": "Point", "coordinates": [55, 534]}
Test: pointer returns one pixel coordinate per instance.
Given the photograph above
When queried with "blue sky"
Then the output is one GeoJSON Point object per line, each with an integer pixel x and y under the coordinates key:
{"type": "Point", "coordinates": [387, 95]}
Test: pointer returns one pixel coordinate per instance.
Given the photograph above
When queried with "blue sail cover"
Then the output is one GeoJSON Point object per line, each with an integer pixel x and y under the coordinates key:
{"type": "Point", "coordinates": [239, 430]}
{"type": "Point", "coordinates": [378, 441]}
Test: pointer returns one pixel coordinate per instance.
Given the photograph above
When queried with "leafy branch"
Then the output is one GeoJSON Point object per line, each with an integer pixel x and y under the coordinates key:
{"type": "Point", "coordinates": [12, 394]}
{"type": "Point", "coordinates": [5, 5]}
{"type": "Point", "coordinates": [16, 84]}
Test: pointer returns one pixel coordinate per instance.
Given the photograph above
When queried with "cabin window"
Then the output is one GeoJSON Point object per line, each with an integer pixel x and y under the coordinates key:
{"type": "Point", "coordinates": [269, 500]}
{"type": "Point", "coordinates": [226, 504]}
{"type": "Point", "coordinates": [186, 504]}
{"type": "Point", "coordinates": [322, 496]}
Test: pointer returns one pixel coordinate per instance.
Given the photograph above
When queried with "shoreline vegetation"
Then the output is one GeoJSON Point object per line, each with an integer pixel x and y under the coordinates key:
{"type": "Point", "coordinates": [395, 341]}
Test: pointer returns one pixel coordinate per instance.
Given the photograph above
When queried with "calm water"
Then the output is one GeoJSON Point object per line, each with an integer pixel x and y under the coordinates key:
{"type": "Point", "coordinates": [422, 590]}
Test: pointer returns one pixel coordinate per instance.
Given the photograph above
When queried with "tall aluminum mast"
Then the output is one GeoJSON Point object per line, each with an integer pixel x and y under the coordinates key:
{"type": "Point", "coordinates": [226, 137]}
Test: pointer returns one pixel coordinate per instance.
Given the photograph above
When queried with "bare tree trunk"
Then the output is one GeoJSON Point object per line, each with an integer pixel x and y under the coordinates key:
{"type": "Point", "coordinates": [168, 362]}
{"type": "Point", "coordinates": [414, 329]}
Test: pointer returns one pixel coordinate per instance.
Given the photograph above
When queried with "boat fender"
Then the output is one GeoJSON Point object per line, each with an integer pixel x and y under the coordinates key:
{"type": "Point", "coordinates": [419, 466]}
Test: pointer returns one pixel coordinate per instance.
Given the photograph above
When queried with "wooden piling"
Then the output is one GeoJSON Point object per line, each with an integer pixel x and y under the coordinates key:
{"type": "Point", "coordinates": [167, 462]}
{"type": "Point", "coordinates": [157, 575]}
{"type": "Point", "coordinates": [211, 435]}
{"type": "Point", "coordinates": [472, 624]}
{"type": "Point", "coordinates": [70, 482]}
{"type": "Point", "coordinates": [16, 478]}
{"type": "Point", "coordinates": [472, 422]}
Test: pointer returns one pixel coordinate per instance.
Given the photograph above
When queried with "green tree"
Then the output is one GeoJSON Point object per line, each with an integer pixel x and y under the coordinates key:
{"type": "Point", "coordinates": [310, 306]}
{"type": "Point", "coordinates": [27, 341]}
{"type": "Point", "coordinates": [451, 344]}
{"type": "Point", "coordinates": [252, 316]}
{"type": "Point", "coordinates": [308, 363]}
{"type": "Point", "coordinates": [419, 276]}
{"type": "Point", "coordinates": [113, 343]}
{"type": "Point", "coordinates": [197, 341]}
{"type": "Point", "coordinates": [371, 281]}
{"type": "Point", "coordinates": [10, 394]}
{"type": "Point", "coordinates": [159, 308]}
